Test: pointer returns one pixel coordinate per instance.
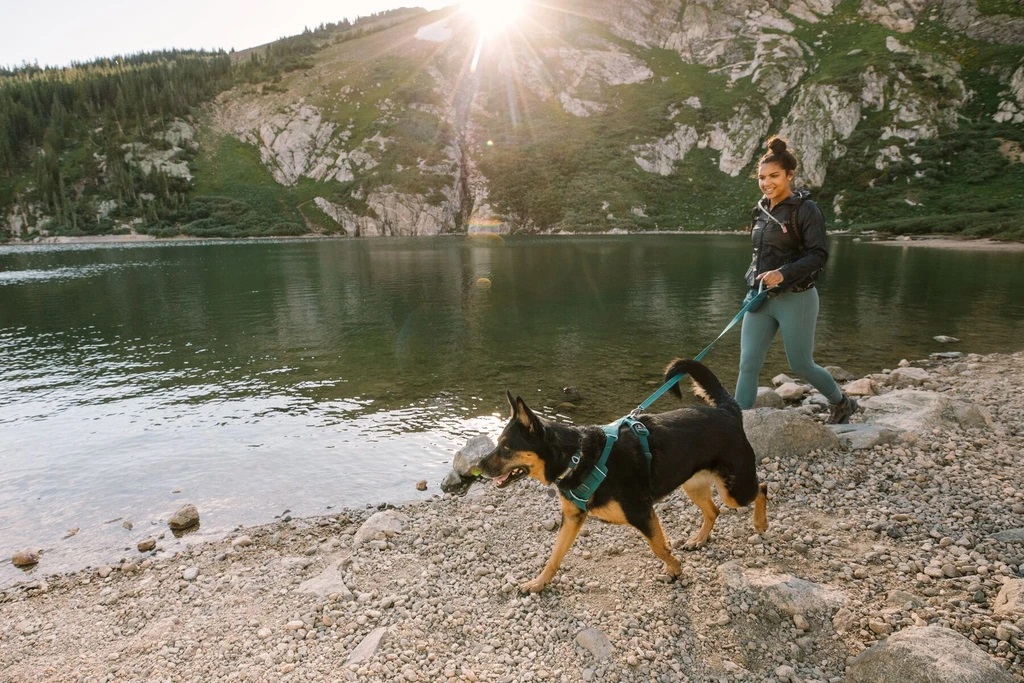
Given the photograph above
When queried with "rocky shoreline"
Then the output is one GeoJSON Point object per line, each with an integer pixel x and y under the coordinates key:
{"type": "Point", "coordinates": [895, 548]}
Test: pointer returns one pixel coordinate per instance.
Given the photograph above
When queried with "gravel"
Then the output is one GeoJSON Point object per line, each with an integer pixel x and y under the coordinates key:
{"type": "Point", "coordinates": [904, 531]}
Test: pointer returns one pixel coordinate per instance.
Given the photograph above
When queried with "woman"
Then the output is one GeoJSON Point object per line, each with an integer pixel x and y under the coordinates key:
{"type": "Point", "coordinates": [788, 232]}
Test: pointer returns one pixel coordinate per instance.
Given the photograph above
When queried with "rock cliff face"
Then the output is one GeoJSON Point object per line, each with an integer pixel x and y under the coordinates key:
{"type": "Point", "coordinates": [773, 62]}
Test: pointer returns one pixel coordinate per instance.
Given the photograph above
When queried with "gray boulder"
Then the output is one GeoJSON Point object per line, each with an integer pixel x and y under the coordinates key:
{"type": "Point", "coordinates": [925, 655]}
{"type": "Point", "coordinates": [329, 582]}
{"type": "Point", "coordinates": [913, 410]}
{"type": "Point", "coordinates": [367, 647]}
{"type": "Point", "coordinates": [383, 524]}
{"type": "Point", "coordinates": [466, 460]}
{"type": "Point", "coordinates": [1009, 536]}
{"type": "Point", "coordinates": [789, 594]}
{"type": "Point", "coordinates": [862, 436]}
{"type": "Point", "coordinates": [838, 374]}
{"type": "Point", "coordinates": [908, 377]}
{"type": "Point", "coordinates": [470, 455]}
{"type": "Point", "coordinates": [791, 391]}
{"type": "Point", "coordinates": [784, 433]}
{"type": "Point", "coordinates": [768, 398]}
{"type": "Point", "coordinates": [595, 642]}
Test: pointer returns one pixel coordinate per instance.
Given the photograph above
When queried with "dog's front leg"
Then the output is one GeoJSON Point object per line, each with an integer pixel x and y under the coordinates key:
{"type": "Point", "coordinates": [572, 522]}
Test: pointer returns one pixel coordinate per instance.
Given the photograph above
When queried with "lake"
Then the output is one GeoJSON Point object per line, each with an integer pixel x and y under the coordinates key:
{"type": "Point", "coordinates": [257, 379]}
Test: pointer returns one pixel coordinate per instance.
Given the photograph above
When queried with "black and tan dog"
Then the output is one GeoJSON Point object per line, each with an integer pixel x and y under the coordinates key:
{"type": "Point", "coordinates": [695, 448]}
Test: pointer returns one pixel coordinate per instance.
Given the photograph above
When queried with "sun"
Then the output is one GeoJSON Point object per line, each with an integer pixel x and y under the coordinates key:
{"type": "Point", "coordinates": [494, 16]}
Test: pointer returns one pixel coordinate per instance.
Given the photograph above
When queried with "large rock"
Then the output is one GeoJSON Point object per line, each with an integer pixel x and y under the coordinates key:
{"type": "Point", "coordinates": [864, 386]}
{"type": "Point", "coordinates": [1009, 536]}
{"type": "Point", "coordinates": [595, 642]}
{"type": "Point", "coordinates": [465, 462]}
{"type": "Point", "coordinates": [386, 523]}
{"type": "Point", "coordinates": [919, 411]}
{"type": "Point", "coordinates": [789, 594]}
{"type": "Point", "coordinates": [1010, 600]}
{"type": "Point", "coordinates": [925, 655]}
{"type": "Point", "coordinates": [470, 455]}
{"type": "Point", "coordinates": [784, 433]}
{"type": "Point", "coordinates": [768, 398]}
{"type": "Point", "coordinates": [902, 378]}
{"type": "Point", "coordinates": [186, 517]}
{"type": "Point", "coordinates": [367, 647]}
{"type": "Point", "coordinates": [328, 582]}
{"type": "Point", "coordinates": [862, 437]}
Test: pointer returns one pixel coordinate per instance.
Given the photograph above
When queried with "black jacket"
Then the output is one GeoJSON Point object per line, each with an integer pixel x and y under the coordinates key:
{"type": "Point", "coordinates": [796, 247]}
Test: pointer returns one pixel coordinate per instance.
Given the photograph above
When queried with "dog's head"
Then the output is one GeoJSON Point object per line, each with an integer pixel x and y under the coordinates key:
{"type": "Point", "coordinates": [517, 454]}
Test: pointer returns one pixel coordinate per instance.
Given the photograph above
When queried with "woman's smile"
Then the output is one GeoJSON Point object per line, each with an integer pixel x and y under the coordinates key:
{"type": "Point", "coordinates": [774, 182]}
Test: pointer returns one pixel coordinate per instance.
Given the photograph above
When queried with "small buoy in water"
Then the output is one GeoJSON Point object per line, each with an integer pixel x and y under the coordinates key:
{"type": "Point", "coordinates": [483, 282]}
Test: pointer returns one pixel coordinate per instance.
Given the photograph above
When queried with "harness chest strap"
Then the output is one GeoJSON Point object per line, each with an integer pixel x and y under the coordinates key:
{"type": "Point", "coordinates": [581, 495]}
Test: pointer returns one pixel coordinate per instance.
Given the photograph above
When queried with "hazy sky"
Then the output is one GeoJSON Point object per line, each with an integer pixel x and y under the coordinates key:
{"type": "Point", "coordinates": [56, 32]}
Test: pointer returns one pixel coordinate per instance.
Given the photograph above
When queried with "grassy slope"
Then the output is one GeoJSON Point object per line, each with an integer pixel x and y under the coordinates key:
{"type": "Point", "coordinates": [351, 82]}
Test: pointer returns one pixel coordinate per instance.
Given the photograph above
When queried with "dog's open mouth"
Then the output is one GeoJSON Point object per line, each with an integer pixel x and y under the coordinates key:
{"type": "Point", "coordinates": [514, 474]}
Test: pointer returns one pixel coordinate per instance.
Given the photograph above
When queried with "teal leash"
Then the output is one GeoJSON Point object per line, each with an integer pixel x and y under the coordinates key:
{"type": "Point", "coordinates": [581, 495]}
{"type": "Point", "coordinates": [755, 301]}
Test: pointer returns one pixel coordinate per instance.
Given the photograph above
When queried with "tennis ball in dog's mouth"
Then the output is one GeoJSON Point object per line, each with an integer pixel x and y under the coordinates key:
{"type": "Point", "coordinates": [475, 471]}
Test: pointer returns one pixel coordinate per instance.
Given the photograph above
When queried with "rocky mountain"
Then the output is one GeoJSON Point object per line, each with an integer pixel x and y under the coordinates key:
{"type": "Point", "coordinates": [605, 115]}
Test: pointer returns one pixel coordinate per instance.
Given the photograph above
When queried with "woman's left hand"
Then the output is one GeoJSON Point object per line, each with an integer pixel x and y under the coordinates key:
{"type": "Point", "coordinates": [773, 278]}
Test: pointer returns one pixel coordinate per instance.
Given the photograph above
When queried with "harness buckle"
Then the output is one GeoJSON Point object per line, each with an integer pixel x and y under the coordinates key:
{"type": "Point", "coordinates": [639, 428]}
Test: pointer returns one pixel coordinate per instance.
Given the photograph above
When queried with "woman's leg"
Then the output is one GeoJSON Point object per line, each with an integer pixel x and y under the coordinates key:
{"type": "Point", "coordinates": [756, 336]}
{"type": "Point", "coordinates": [797, 313]}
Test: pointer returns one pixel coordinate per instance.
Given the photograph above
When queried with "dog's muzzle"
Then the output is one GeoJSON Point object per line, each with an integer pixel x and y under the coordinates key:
{"type": "Point", "coordinates": [514, 474]}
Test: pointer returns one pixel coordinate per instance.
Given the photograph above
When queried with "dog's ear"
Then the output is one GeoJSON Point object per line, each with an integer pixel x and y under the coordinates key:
{"type": "Point", "coordinates": [511, 403]}
{"type": "Point", "coordinates": [524, 416]}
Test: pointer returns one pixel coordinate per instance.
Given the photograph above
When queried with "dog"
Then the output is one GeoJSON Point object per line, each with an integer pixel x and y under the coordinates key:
{"type": "Point", "coordinates": [696, 447]}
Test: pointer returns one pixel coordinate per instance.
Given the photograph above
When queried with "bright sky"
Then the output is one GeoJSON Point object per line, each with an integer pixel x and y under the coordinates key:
{"type": "Point", "coordinates": [57, 32]}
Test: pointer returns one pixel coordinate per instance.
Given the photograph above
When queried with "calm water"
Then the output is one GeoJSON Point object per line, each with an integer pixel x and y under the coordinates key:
{"type": "Point", "coordinates": [251, 378]}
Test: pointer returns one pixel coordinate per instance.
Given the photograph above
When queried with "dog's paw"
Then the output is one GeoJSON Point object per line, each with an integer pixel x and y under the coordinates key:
{"type": "Point", "coordinates": [694, 544]}
{"type": "Point", "coordinates": [535, 586]}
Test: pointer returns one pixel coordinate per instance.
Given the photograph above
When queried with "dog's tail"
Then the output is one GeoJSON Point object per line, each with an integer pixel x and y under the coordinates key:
{"type": "Point", "coordinates": [705, 384]}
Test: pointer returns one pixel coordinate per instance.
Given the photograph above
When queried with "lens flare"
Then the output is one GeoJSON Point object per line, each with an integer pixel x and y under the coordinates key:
{"type": "Point", "coordinates": [494, 16]}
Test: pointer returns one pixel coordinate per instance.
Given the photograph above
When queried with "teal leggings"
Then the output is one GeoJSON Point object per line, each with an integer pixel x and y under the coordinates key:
{"type": "Point", "coordinates": [795, 314]}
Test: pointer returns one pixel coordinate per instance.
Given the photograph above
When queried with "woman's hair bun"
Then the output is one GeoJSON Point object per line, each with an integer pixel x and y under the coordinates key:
{"type": "Point", "coordinates": [777, 145]}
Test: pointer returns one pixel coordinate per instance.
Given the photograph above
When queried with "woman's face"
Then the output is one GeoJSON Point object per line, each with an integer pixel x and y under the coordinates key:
{"type": "Point", "coordinates": [774, 182]}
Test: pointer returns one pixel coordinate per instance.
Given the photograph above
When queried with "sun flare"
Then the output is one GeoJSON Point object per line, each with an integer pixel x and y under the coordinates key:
{"type": "Point", "coordinates": [494, 16]}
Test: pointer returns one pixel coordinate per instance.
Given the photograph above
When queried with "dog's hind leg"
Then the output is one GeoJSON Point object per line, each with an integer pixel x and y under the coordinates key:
{"type": "Point", "coordinates": [698, 488]}
{"type": "Point", "coordinates": [572, 521]}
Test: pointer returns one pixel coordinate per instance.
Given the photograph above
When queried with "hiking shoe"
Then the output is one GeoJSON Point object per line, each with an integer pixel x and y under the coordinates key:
{"type": "Point", "coordinates": [842, 412]}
